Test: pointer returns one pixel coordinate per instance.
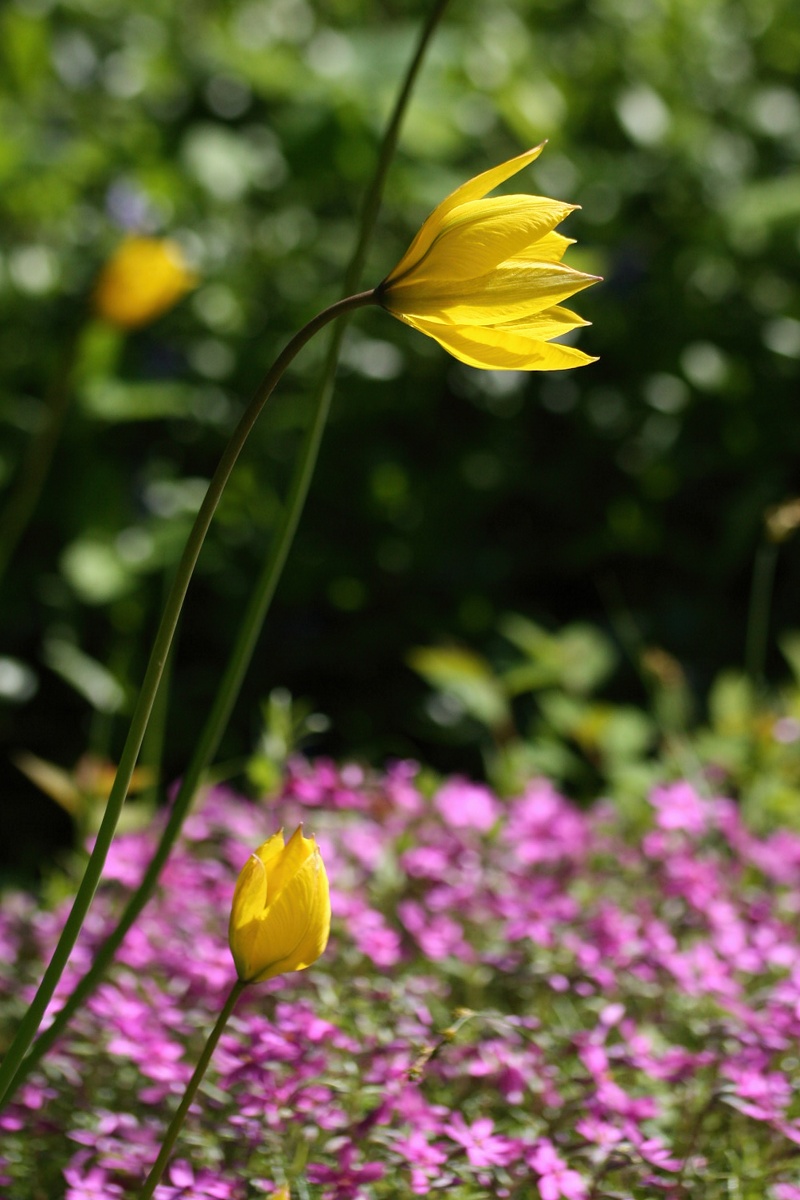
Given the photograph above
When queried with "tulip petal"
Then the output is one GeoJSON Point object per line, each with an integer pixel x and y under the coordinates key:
{"type": "Point", "coordinates": [295, 928]}
{"type": "Point", "coordinates": [291, 859]}
{"type": "Point", "coordinates": [546, 325]}
{"type": "Point", "coordinates": [315, 939]}
{"type": "Point", "coordinates": [477, 237]}
{"type": "Point", "coordinates": [508, 293]}
{"type": "Point", "coordinates": [247, 912]}
{"type": "Point", "coordinates": [250, 895]}
{"type": "Point", "coordinates": [480, 185]}
{"type": "Point", "coordinates": [550, 248]}
{"type": "Point", "coordinates": [501, 350]}
{"type": "Point", "coordinates": [473, 189]}
{"type": "Point", "coordinates": [271, 849]}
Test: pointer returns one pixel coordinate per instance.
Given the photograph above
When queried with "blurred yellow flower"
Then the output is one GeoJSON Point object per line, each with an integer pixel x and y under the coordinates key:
{"type": "Point", "coordinates": [485, 277]}
{"type": "Point", "coordinates": [143, 278]}
{"type": "Point", "coordinates": [281, 912]}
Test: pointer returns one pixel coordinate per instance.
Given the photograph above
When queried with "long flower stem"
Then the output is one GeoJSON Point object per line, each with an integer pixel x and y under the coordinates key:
{"type": "Point", "coordinates": [755, 656]}
{"type": "Point", "coordinates": [263, 591]}
{"type": "Point", "coordinates": [176, 1124]}
{"type": "Point", "coordinates": [161, 646]}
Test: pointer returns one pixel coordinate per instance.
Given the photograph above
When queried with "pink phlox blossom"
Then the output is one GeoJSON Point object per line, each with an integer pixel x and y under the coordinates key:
{"type": "Point", "coordinates": [509, 1068]}
{"type": "Point", "coordinates": [543, 828]}
{"type": "Point", "coordinates": [761, 1094]}
{"type": "Point", "coordinates": [777, 856]}
{"type": "Point", "coordinates": [425, 862]}
{"type": "Point", "coordinates": [789, 1129]}
{"type": "Point", "coordinates": [611, 1096]}
{"type": "Point", "coordinates": [653, 1150]}
{"type": "Point", "coordinates": [556, 1181]}
{"type": "Point", "coordinates": [366, 843]}
{"type": "Point", "coordinates": [402, 795]}
{"type": "Point", "coordinates": [678, 806]}
{"type": "Point", "coordinates": [701, 972]}
{"type": "Point", "coordinates": [322, 784]}
{"type": "Point", "coordinates": [347, 1176]}
{"type": "Point", "coordinates": [611, 1015]}
{"type": "Point", "coordinates": [439, 936]}
{"type": "Point", "coordinates": [465, 805]}
{"type": "Point", "coordinates": [483, 1147]}
{"type": "Point", "coordinates": [185, 1184]}
{"type": "Point", "coordinates": [696, 880]}
{"type": "Point", "coordinates": [534, 909]}
{"type": "Point", "coordinates": [774, 941]}
{"type": "Point", "coordinates": [373, 936]}
{"type": "Point", "coordinates": [127, 858]}
{"type": "Point", "coordinates": [600, 1133]}
{"type": "Point", "coordinates": [595, 1059]}
{"type": "Point", "coordinates": [91, 1184]}
{"type": "Point", "coordinates": [424, 1158]}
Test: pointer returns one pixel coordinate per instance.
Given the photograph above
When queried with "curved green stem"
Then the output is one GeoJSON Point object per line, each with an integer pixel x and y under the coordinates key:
{"type": "Point", "coordinates": [263, 591]}
{"type": "Point", "coordinates": [176, 1124]}
{"type": "Point", "coordinates": [10, 1074]}
{"type": "Point", "coordinates": [208, 742]}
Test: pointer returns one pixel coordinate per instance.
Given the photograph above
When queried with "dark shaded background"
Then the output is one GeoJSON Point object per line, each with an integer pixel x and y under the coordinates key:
{"type": "Point", "coordinates": [634, 488]}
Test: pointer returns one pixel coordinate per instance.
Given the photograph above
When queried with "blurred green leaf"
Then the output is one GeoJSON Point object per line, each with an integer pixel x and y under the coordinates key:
{"type": "Point", "coordinates": [90, 678]}
{"type": "Point", "coordinates": [578, 658]}
{"type": "Point", "coordinates": [114, 400]}
{"type": "Point", "coordinates": [467, 677]}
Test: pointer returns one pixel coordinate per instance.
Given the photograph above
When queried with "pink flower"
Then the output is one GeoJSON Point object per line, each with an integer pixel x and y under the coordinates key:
{"type": "Point", "coordinates": [484, 1149]}
{"type": "Point", "coordinates": [678, 806]}
{"type": "Point", "coordinates": [556, 1179]}
{"type": "Point", "coordinates": [424, 1158]}
{"type": "Point", "coordinates": [465, 805]}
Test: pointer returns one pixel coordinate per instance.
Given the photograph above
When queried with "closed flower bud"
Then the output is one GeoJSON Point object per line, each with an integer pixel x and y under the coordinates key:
{"type": "Point", "coordinates": [485, 277]}
{"type": "Point", "coordinates": [143, 278]}
{"type": "Point", "coordinates": [281, 913]}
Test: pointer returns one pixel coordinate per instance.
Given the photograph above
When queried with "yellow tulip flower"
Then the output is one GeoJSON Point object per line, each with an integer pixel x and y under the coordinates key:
{"type": "Point", "coordinates": [143, 278]}
{"type": "Point", "coordinates": [281, 912]}
{"type": "Point", "coordinates": [485, 277]}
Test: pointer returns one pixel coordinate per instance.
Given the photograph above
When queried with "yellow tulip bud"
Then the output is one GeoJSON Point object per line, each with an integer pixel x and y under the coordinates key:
{"type": "Point", "coordinates": [485, 277]}
{"type": "Point", "coordinates": [281, 913]}
{"type": "Point", "coordinates": [143, 278]}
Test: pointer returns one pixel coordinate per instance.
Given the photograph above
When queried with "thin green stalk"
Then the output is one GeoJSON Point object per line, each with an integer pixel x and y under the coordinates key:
{"type": "Point", "coordinates": [9, 1071]}
{"type": "Point", "coordinates": [176, 1124]}
{"type": "Point", "coordinates": [372, 200]}
{"type": "Point", "coordinates": [261, 597]}
{"type": "Point", "coordinates": [755, 655]}
{"type": "Point", "coordinates": [207, 743]}
{"type": "Point", "coordinates": [152, 752]}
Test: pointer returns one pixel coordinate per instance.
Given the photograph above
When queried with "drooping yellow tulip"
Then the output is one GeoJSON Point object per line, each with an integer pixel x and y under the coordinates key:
{"type": "Point", "coordinates": [281, 912]}
{"type": "Point", "coordinates": [485, 277]}
{"type": "Point", "coordinates": [143, 279]}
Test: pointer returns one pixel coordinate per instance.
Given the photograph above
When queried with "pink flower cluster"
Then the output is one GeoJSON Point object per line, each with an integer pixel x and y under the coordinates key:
{"type": "Point", "coordinates": [519, 999]}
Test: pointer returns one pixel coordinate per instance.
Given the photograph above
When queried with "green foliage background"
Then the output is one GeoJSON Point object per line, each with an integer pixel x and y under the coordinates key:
{"type": "Point", "coordinates": [445, 497]}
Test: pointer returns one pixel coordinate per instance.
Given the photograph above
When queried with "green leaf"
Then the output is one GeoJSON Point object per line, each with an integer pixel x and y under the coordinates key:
{"type": "Point", "coordinates": [466, 676]}
{"type": "Point", "coordinates": [114, 401]}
